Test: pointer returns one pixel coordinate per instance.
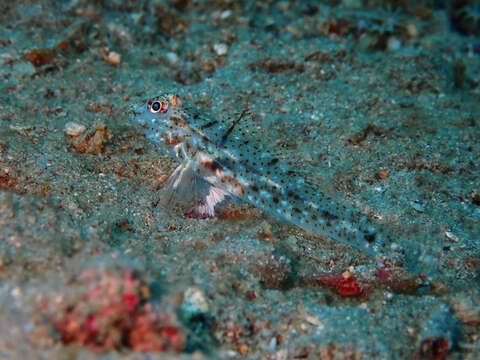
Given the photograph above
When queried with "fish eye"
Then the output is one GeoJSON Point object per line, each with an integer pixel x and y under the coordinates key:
{"type": "Point", "coordinates": [155, 106]}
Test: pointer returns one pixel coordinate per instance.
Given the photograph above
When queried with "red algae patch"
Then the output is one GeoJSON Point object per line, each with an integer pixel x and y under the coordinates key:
{"type": "Point", "coordinates": [395, 278]}
{"type": "Point", "coordinates": [110, 309]}
{"type": "Point", "coordinates": [345, 284]}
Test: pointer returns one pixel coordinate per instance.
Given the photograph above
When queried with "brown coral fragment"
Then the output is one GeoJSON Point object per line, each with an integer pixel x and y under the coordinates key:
{"type": "Point", "coordinates": [357, 138]}
{"type": "Point", "coordinates": [40, 57]}
{"type": "Point", "coordinates": [274, 273]}
{"type": "Point", "coordinates": [382, 174]}
{"type": "Point", "coordinates": [432, 349]}
{"type": "Point", "coordinates": [6, 181]}
{"type": "Point", "coordinates": [92, 141]}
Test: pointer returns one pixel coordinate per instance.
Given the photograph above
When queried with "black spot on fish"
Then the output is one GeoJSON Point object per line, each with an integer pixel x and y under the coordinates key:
{"type": "Point", "coordinates": [328, 215]}
{"type": "Point", "coordinates": [273, 161]}
{"type": "Point", "coordinates": [294, 195]}
{"type": "Point", "coordinates": [369, 236]}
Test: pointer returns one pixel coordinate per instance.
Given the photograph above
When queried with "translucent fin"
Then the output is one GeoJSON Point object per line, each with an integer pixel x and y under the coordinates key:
{"type": "Point", "coordinates": [206, 207]}
{"type": "Point", "coordinates": [191, 193]}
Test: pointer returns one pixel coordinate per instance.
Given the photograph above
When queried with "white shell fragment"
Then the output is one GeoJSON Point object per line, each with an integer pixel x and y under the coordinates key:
{"type": "Point", "coordinates": [194, 301]}
{"type": "Point", "coordinates": [74, 129]}
{"type": "Point", "coordinates": [220, 49]}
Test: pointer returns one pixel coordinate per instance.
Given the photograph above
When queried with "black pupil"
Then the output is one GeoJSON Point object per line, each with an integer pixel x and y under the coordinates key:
{"type": "Point", "coordinates": [156, 106]}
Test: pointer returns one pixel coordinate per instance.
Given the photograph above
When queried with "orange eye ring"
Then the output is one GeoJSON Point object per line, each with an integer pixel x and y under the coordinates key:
{"type": "Point", "coordinates": [174, 100]}
{"type": "Point", "coordinates": [155, 106]}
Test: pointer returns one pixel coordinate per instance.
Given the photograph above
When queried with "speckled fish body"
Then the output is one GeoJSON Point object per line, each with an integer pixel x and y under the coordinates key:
{"type": "Point", "coordinates": [228, 156]}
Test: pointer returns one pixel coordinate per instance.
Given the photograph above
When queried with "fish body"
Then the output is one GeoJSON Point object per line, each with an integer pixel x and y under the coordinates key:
{"type": "Point", "coordinates": [220, 159]}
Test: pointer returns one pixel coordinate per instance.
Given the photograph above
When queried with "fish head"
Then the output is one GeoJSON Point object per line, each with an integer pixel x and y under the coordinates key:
{"type": "Point", "coordinates": [161, 117]}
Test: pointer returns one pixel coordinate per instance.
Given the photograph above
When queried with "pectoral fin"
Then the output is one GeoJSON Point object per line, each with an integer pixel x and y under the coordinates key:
{"type": "Point", "coordinates": [193, 194]}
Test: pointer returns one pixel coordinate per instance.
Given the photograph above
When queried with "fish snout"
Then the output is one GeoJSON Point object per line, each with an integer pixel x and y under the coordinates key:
{"type": "Point", "coordinates": [134, 111]}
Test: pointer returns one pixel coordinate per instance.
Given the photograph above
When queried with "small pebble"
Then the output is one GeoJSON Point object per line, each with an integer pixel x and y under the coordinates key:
{"type": "Point", "coordinates": [394, 246]}
{"type": "Point", "coordinates": [243, 349]}
{"type": "Point", "coordinates": [393, 44]}
{"type": "Point", "coordinates": [450, 236]}
{"type": "Point", "coordinates": [74, 129]}
{"type": "Point", "coordinates": [194, 301]}
{"type": "Point", "coordinates": [273, 344]}
{"type": "Point", "coordinates": [220, 49]}
{"type": "Point", "coordinates": [383, 174]}
{"type": "Point", "coordinates": [171, 57]}
{"type": "Point", "coordinates": [225, 14]}
{"type": "Point", "coordinates": [412, 30]}
{"type": "Point", "coordinates": [113, 58]}
{"type": "Point", "coordinates": [16, 292]}
{"type": "Point", "coordinates": [417, 206]}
